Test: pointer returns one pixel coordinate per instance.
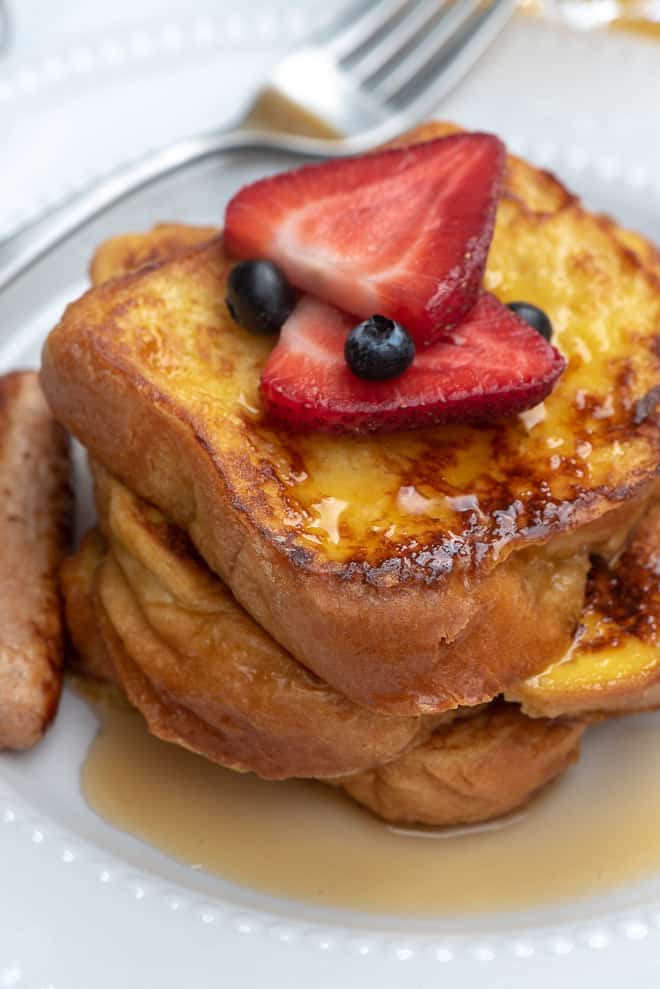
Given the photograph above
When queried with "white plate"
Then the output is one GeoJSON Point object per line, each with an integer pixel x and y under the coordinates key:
{"type": "Point", "coordinates": [84, 905]}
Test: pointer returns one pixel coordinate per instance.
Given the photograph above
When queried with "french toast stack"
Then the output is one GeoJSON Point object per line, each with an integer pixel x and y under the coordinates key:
{"type": "Point", "coordinates": [428, 619]}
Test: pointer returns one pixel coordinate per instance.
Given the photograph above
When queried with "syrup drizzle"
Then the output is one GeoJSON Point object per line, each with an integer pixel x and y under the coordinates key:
{"type": "Point", "coordinates": [593, 831]}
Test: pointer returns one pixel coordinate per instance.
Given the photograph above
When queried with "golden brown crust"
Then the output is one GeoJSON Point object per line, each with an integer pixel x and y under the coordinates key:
{"type": "Point", "coordinates": [257, 708]}
{"type": "Point", "coordinates": [303, 734]}
{"type": "Point", "coordinates": [130, 252]}
{"type": "Point", "coordinates": [77, 575]}
{"type": "Point", "coordinates": [534, 189]}
{"type": "Point", "coordinates": [471, 770]}
{"type": "Point", "coordinates": [648, 253]}
{"type": "Point", "coordinates": [401, 610]}
{"type": "Point", "coordinates": [34, 532]}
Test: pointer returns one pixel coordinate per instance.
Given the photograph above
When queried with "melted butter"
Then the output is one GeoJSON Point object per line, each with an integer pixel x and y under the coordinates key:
{"type": "Point", "coordinates": [409, 500]}
{"type": "Point", "coordinates": [464, 503]}
{"type": "Point", "coordinates": [594, 830]}
{"type": "Point", "coordinates": [329, 512]}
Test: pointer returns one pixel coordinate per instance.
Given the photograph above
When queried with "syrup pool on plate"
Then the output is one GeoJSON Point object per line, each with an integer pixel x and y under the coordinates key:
{"type": "Point", "coordinates": [594, 830]}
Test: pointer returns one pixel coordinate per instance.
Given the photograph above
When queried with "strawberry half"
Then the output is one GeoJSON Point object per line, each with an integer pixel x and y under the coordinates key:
{"type": "Point", "coordinates": [491, 365]}
{"type": "Point", "coordinates": [404, 232]}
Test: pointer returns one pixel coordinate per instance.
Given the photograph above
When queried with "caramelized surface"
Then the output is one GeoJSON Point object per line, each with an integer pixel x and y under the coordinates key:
{"type": "Point", "coordinates": [614, 662]}
{"type": "Point", "coordinates": [414, 502]}
{"type": "Point", "coordinates": [128, 252]}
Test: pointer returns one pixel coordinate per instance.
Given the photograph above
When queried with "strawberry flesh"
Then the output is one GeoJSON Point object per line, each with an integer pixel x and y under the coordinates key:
{"type": "Point", "coordinates": [493, 364]}
{"type": "Point", "coordinates": [404, 232]}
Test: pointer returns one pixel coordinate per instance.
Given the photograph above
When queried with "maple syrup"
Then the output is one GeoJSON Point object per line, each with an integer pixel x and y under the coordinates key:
{"type": "Point", "coordinates": [594, 830]}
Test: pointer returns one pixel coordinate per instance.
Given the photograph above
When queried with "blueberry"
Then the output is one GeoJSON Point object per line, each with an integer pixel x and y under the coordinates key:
{"type": "Point", "coordinates": [259, 298]}
{"type": "Point", "coordinates": [536, 318]}
{"type": "Point", "coordinates": [379, 349]}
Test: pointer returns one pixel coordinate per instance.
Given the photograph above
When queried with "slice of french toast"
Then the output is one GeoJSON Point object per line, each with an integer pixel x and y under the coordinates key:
{"type": "Point", "coordinates": [416, 571]}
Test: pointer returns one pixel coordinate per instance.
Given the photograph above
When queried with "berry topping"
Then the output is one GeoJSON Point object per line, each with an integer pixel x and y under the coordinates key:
{"type": "Point", "coordinates": [534, 316]}
{"type": "Point", "coordinates": [404, 231]}
{"type": "Point", "coordinates": [493, 364]}
{"type": "Point", "coordinates": [259, 298]}
{"type": "Point", "coordinates": [379, 349]}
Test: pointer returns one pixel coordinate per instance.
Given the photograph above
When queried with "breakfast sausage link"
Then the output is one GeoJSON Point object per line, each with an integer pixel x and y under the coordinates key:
{"type": "Point", "coordinates": [34, 533]}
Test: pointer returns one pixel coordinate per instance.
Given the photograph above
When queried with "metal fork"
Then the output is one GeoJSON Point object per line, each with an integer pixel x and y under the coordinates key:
{"type": "Point", "coordinates": [376, 70]}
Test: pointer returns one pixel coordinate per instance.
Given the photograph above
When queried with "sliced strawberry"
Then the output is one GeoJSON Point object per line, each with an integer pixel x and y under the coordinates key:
{"type": "Point", "coordinates": [403, 232]}
{"type": "Point", "coordinates": [491, 365]}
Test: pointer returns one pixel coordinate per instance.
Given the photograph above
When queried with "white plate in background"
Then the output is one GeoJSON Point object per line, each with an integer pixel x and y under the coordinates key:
{"type": "Point", "coordinates": [83, 905]}
{"type": "Point", "coordinates": [70, 114]}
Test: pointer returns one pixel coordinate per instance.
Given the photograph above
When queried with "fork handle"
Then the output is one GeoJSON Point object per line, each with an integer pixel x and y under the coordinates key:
{"type": "Point", "coordinates": [23, 249]}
